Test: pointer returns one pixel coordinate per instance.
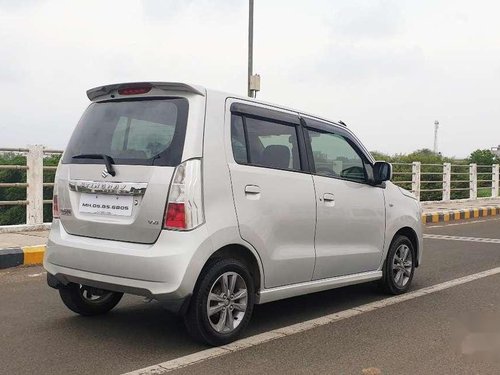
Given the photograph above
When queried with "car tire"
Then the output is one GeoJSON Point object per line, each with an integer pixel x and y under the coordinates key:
{"type": "Point", "coordinates": [88, 301]}
{"type": "Point", "coordinates": [399, 266]}
{"type": "Point", "coordinates": [218, 314]}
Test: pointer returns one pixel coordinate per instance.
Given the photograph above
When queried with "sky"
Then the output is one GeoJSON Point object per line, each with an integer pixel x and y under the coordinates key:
{"type": "Point", "coordinates": [387, 68]}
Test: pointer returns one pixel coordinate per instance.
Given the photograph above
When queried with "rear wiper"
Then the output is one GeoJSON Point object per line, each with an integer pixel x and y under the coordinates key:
{"type": "Point", "coordinates": [108, 160]}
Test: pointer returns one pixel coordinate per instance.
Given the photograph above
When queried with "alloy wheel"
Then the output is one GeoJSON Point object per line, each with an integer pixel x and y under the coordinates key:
{"type": "Point", "coordinates": [227, 302]}
{"type": "Point", "coordinates": [402, 265]}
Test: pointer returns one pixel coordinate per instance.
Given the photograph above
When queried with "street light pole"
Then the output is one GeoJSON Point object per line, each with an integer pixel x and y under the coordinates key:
{"type": "Point", "coordinates": [250, 46]}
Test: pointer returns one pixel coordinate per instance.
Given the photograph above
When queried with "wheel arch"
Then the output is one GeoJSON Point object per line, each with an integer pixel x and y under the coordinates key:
{"type": "Point", "coordinates": [413, 237]}
{"type": "Point", "coordinates": [243, 254]}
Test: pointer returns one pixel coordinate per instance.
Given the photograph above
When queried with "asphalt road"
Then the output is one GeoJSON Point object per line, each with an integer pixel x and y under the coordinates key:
{"type": "Point", "coordinates": [429, 334]}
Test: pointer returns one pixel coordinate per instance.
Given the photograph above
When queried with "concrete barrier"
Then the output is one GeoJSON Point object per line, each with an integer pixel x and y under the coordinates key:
{"type": "Point", "coordinates": [463, 214]}
{"type": "Point", "coordinates": [21, 256]}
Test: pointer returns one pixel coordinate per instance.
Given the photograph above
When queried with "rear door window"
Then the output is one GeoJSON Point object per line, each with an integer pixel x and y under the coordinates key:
{"type": "Point", "coordinates": [137, 132]}
{"type": "Point", "coordinates": [270, 144]}
{"type": "Point", "coordinates": [238, 142]}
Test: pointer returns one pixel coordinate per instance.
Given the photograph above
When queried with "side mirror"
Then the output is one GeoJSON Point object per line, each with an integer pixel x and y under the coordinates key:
{"type": "Point", "coordinates": [382, 171]}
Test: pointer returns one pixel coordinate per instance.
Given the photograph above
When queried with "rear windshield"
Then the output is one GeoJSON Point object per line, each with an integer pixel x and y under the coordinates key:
{"type": "Point", "coordinates": [138, 132]}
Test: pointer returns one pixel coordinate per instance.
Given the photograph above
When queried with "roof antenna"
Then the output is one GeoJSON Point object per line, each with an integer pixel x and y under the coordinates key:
{"type": "Point", "coordinates": [342, 123]}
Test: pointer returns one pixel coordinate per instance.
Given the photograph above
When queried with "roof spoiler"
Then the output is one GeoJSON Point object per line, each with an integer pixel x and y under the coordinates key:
{"type": "Point", "coordinates": [97, 92]}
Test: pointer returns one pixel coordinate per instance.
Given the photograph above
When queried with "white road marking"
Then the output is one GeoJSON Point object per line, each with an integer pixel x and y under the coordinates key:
{"type": "Point", "coordinates": [463, 223]}
{"type": "Point", "coordinates": [35, 274]}
{"type": "Point", "coordinates": [461, 238]}
{"type": "Point", "coordinates": [249, 342]}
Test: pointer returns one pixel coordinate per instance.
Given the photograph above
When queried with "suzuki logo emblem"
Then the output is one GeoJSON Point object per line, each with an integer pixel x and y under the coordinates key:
{"type": "Point", "coordinates": [104, 173]}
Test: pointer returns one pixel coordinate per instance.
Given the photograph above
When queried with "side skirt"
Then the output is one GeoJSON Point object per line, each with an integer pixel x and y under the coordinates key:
{"type": "Point", "coordinates": [287, 291]}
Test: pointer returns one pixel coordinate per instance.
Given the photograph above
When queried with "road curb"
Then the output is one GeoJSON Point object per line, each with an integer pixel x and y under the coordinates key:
{"type": "Point", "coordinates": [464, 214]}
{"type": "Point", "coordinates": [21, 256]}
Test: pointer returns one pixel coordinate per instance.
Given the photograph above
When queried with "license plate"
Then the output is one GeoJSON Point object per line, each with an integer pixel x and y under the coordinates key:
{"type": "Point", "coordinates": [104, 204]}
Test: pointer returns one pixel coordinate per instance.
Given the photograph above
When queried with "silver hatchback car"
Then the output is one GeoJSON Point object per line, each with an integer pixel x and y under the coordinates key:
{"type": "Point", "coordinates": [211, 203]}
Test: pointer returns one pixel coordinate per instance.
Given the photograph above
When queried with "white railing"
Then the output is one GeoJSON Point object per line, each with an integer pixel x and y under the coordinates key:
{"type": "Point", "coordinates": [34, 183]}
{"type": "Point", "coordinates": [445, 182]}
{"type": "Point", "coordinates": [438, 182]}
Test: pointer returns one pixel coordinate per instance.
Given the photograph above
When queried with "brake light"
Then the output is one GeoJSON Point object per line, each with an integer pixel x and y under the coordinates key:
{"type": "Point", "coordinates": [56, 213]}
{"type": "Point", "coordinates": [184, 209]}
{"type": "Point", "coordinates": [175, 216]}
{"type": "Point", "coordinates": [134, 90]}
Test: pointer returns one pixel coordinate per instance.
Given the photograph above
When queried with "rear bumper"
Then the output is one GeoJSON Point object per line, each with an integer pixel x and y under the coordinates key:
{"type": "Point", "coordinates": [166, 270]}
{"type": "Point", "coordinates": [175, 305]}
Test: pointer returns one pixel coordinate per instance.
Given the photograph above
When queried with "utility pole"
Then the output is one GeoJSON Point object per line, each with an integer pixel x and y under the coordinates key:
{"type": "Point", "coordinates": [250, 46]}
{"type": "Point", "coordinates": [436, 127]}
{"type": "Point", "coordinates": [253, 80]}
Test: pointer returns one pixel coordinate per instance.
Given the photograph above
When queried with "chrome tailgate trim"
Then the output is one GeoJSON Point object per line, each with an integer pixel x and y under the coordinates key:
{"type": "Point", "coordinates": [115, 188]}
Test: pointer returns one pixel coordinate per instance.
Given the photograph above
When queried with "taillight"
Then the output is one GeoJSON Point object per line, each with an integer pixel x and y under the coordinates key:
{"type": "Point", "coordinates": [175, 216]}
{"type": "Point", "coordinates": [184, 209]}
{"type": "Point", "coordinates": [56, 212]}
{"type": "Point", "coordinates": [56, 209]}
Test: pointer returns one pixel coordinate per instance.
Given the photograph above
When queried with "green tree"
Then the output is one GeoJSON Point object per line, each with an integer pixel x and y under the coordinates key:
{"type": "Point", "coordinates": [380, 156]}
{"type": "Point", "coordinates": [483, 157]}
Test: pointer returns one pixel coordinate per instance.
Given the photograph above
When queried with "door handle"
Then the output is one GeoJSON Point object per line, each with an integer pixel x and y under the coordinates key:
{"type": "Point", "coordinates": [327, 197]}
{"type": "Point", "coordinates": [252, 189]}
